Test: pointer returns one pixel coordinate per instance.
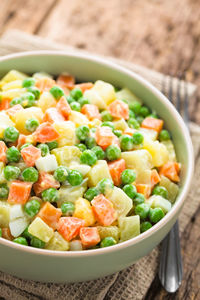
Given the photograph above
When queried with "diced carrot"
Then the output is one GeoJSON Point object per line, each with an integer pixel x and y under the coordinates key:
{"type": "Point", "coordinates": [50, 215]}
{"type": "Point", "coordinates": [91, 111]}
{"type": "Point", "coordinates": [103, 210]}
{"type": "Point", "coordinates": [144, 189]}
{"type": "Point", "coordinates": [45, 84]}
{"type": "Point", "coordinates": [129, 131]}
{"type": "Point", "coordinates": [119, 109]}
{"type": "Point", "coordinates": [69, 227]}
{"type": "Point", "coordinates": [30, 154]}
{"type": "Point", "coordinates": [6, 234]}
{"type": "Point", "coordinates": [12, 111]}
{"type": "Point", "coordinates": [65, 80]}
{"type": "Point", "coordinates": [21, 140]}
{"type": "Point", "coordinates": [171, 170]}
{"type": "Point", "coordinates": [105, 137]}
{"type": "Point", "coordinates": [84, 86]}
{"type": "Point", "coordinates": [4, 103]}
{"type": "Point", "coordinates": [19, 192]}
{"type": "Point", "coordinates": [89, 236]}
{"type": "Point", "coordinates": [45, 133]}
{"type": "Point", "coordinates": [152, 123]}
{"type": "Point", "coordinates": [155, 178]}
{"type": "Point", "coordinates": [53, 115]}
{"type": "Point", "coordinates": [3, 150]}
{"type": "Point", "coordinates": [116, 168]}
{"type": "Point", "coordinates": [44, 182]}
{"type": "Point", "coordinates": [63, 107]}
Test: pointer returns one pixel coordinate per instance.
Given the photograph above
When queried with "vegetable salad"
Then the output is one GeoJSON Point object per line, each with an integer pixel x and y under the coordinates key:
{"type": "Point", "coordinates": [82, 165]}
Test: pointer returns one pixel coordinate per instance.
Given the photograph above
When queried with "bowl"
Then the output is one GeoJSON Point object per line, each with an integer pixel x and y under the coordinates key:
{"type": "Point", "coordinates": [50, 266]}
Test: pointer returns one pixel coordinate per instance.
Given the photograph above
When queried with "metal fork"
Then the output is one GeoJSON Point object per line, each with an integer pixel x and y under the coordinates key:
{"type": "Point", "coordinates": [170, 268]}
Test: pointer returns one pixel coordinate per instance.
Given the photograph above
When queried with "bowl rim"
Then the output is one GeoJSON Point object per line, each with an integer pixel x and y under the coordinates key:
{"type": "Point", "coordinates": [184, 130]}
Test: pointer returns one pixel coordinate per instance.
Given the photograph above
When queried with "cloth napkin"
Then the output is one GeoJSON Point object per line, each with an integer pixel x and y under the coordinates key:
{"type": "Point", "coordinates": [133, 282]}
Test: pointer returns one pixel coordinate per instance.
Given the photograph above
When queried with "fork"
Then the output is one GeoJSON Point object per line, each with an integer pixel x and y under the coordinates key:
{"type": "Point", "coordinates": [170, 269]}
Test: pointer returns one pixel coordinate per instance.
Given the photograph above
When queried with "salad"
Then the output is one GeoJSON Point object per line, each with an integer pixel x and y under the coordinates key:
{"type": "Point", "coordinates": [82, 165]}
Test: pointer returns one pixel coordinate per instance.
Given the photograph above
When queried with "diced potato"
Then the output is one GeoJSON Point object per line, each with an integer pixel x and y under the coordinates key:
{"type": "Point", "coordinates": [46, 101]}
{"type": "Point", "coordinates": [58, 243]}
{"type": "Point", "coordinates": [149, 133]}
{"type": "Point", "coordinates": [40, 75]}
{"type": "Point", "coordinates": [158, 201]}
{"type": "Point", "coordinates": [138, 160]}
{"type": "Point", "coordinates": [127, 95]}
{"type": "Point", "coordinates": [16, 211]}
{"type": "Point", "coordinates": [105, 90]}
{"type": "Point", "coordinates": [66, 155]}
{"type": "Point", "coordinates": [158, 152]}
{"type": "Point", "coordinates": [2, 178]}
{"type": "Point", "coordinates": [171, 187]}
{"type": "Point", "coordinates": [22, 116]}
{"type": "Point", "coordinates": [93, 96]}
{"type": "Point", "coordinates": [120, 125]}
{"type": "Point", "coordinates": [71, 193]}
{"type": "Point", "coordinates": [17, 226]}
{"type": "Point", "coordinates": [78, 118]}
{"type": "Point", "coordinates": [41, 230]}
{"type": "Point", "coordinates": [17, 84]}
{"type": "Point", "coordinates": [5, 122]}
{"type": "Point", "coordinates": [46, 163]}
{"type": "Point", "coordinates": [75, 245]}
{"type": "Point", "coordinates": [12, 93]}
{"type": "Point", "coordinates": [83, 210]}
{"type": "Point", "coordinates": [121, 202]}
{"type": "Point", "coordinates": [67, 135]}
{"type": "Point", "coordinates": [94, 123]}
{"type": "Point", "coordinates": [105, 231]}
{"type": "Point", "coordinates": [82, 168]}
{"type": "Point", "coordinates": [98, 171]}
{"type": "Point", "coordinates": [144, 177]}
{"type": "Point", "coordinates": [12, 75]}
{"type": "Point", "coordinates": [129, 227]}
{"type": "Point", "coordinates": [4, 214]}
{"type": "Point", "coordinates": [171, 151]}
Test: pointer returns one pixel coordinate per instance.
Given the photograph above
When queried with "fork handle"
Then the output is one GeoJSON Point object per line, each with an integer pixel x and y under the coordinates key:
{"type": "Point", "coordinates": [170, 268]}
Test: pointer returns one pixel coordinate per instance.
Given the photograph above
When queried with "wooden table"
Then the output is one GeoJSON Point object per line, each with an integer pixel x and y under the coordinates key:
{"type": "Point", "coordinates": [162, 35]}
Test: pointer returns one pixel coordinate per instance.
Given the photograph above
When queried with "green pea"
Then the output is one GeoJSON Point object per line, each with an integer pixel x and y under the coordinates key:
{"type": "Point", "coordinates": [0, 232]}
{"type": "Point", "coordinates": [28, 82]}
{"type": "Point", "coordinates": [81, 147]}
{"type": "Point", "coordinates": [15, 101]}
{"type": "Point", "coordinates": [117, 132]}
{"type": "Point", "coordinates": [126, 142]}
{"type": "Point", "coordinates": [156, 214]}
{"type": "Point", "coordinates": [50, 195]}
{"type": "Point", "coordinates": [76, 93]}
{"type": "Point", "coordinates": [21, 240]}
{"type": "Point", "coordinates": [135, 107]}
{"type": "Point", "coordinates": [52, 145]}
{"type": "Point", "coordinates": [113, 152]}
{"type": "Point", "coordinates": [133, 123]}
{"type": "Point", "coordinates": [108, 241]}
{"type": "Point", "coordinates": [70, 99]}
{"type": "Point", "coordinates": [35, 91]}
{"type": "Point", "coordinates": [131, 114]}
{"type": "Point", "coordinates": [57, 92]}
{"type": "Point", "coordinates": [93, 129]}
{"type": "Point", "coordinates": [138, 138]}
{"type": "Point", "coordinates": [13, 154]}
{"type": "Point", "coordinates": [161, 191]}
{"type": "Point", "coordinates": [75, 106]}
{"type": "Point", "coordinates": [36, 243]}
{"type": "Point", "coordinates": [11, 134]}
{"type": "Point", "coordinates": [164, 135]}
{"type": "Point", "coordinates": [105, 185]}
{"type": "Point", "coordinates": [142, 210]}
{"type": "Point", "coordinates": [106, 116]}
{"type": "Point", "coordinates": [145, 226]}
{"type": "Point", "coordinates": [75, 177]}
{"type": "Point", "coordinates": [153, 115]}
{"type": "Point", "coordinates": [100, 154]}
{"type": "Point", "coordinates": [91, 193]}
{"type": "Point", "coordinates": [4, 191]}
{"type": "Point", "coordinates": [82, 132]}
{"type": "Point", "coordinates": [26, 234]}
{"type": "Point", "coordinates": [139, 198]}
{"type": "Point", "coordinates": [108, 124]}
{"type": "Point", "coordinates": [24, 146]}
{"type": "Point", "coordinates": [61, 173]}
{"type": "Point", "coordinates": [88, 157]}
{"type": "Point", "coordinates": [90, 142]}
{"type": "Point", "coordinates": [144, 111]}
{"type": "Point", "coordinates": [30, 174]}
{"type": "Point", "coordinates": [31, 124]}
{"type": "Point", "coordinates": [130, 190]}
{"type": "Point", "coordinates": [32, 207]}
{"type": "Point", "coordinates": [82, 101]}
{"type": "Point", "coordinates": [140, 119]}
{"type": "Point", "coordinates": [128, 176]}
{"type": "Point", "coordinates": [44, 149]}
{"type": "Point", "coordinates": [28, 100]}
{"type": "Point", "coordinates": [67, 208]}
{"type": "Point", "coordinates": [11, 173]}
